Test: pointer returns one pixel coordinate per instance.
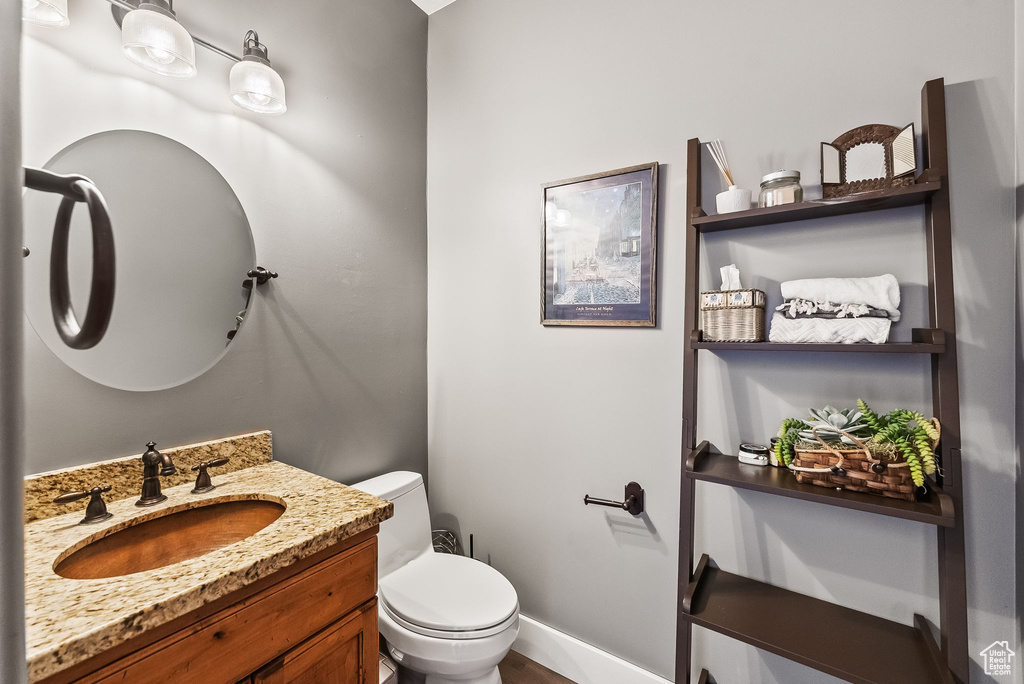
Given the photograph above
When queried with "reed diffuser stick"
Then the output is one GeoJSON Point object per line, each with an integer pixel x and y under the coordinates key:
{"type": "Point", "coordinates": [718, 154]}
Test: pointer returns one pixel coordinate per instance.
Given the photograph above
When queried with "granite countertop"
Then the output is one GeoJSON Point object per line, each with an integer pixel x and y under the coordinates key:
{"type": "Point", "coordinates": [70, 620]}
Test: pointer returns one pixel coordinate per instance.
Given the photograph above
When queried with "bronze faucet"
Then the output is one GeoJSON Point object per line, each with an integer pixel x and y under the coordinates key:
{"type": "Point", "coordinates": [154, 464]}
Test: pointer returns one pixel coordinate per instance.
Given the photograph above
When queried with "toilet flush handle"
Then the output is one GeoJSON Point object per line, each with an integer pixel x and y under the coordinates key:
{"type": "Point", "coordinates": [633, 500]}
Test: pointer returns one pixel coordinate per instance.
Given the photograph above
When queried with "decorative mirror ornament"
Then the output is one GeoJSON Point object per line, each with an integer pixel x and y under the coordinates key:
{"type": "Point", "coordinates": [872, 157]}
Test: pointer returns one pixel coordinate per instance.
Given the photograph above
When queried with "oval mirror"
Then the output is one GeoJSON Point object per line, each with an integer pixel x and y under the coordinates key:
{"type": "Point", "coordinates": [183, 248]}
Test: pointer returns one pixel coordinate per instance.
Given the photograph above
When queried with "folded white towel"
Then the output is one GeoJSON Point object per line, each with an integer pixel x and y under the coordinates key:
{"type": "Point", "coordinates": [829, 331]}
{"type": "Point", "coordinates": [879, 292]}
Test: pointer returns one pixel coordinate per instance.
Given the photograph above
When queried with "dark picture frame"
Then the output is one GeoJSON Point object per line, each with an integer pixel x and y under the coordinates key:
{"type": "Point", "coordinates": [599, 249]}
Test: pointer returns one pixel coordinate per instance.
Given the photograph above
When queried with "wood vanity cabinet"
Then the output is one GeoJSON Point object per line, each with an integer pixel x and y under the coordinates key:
{"type": "Point", "coordinates": [337, 655]}
{"type": "Point", "coordinates": [312, 622]}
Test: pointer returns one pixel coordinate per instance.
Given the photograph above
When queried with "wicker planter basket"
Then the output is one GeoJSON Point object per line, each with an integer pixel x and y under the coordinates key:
{"type": "Point", "coordinates": [856, 469]}
{"type": "Point", "coordinates": [732, 316]}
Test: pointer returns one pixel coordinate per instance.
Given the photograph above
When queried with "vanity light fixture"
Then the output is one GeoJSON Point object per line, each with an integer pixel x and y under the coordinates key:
{"type": "Point", "coordinates": [49, 13]}
{"type": "Point", "coordinates": [550, 211]}
{"type": "Point", "coordinates": [254, 83]}
{"type": "Point", "coordinates": [152, 38]}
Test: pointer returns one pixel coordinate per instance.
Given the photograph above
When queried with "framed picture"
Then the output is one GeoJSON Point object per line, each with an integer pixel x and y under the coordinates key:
{"type": "Point", "coordinates": [599, 249]}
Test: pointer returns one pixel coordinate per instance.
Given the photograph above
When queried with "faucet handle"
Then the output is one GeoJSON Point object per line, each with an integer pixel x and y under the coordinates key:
{"type": "Point", "coordinates": [203, 482]}
{"type": "Point", "coordinates": [96, 511]}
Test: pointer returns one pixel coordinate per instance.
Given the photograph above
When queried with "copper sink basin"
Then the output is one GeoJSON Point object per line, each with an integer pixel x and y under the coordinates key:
{"type": "Point", "coordinates": [170, 536]}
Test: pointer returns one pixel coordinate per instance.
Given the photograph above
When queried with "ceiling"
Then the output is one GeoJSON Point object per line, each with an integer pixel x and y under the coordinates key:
{"type": "Point", "coordinates": [431, 6]}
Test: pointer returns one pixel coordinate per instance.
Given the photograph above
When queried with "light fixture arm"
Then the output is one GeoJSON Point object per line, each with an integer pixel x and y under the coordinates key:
{"type": "Point", "coordinates": [128, 6]}
{"type": "Point", "coordinates": [213, 48]}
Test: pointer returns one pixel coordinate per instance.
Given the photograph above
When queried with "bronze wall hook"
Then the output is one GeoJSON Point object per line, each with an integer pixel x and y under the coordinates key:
{"type": "Point", "coordinates": [632, 503]}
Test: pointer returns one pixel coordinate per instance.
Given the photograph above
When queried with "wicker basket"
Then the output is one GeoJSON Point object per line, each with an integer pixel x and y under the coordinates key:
{"type": "Point", "coordinates": [855, 469]}
{"type": "Point", "coordinates": [732, 316]}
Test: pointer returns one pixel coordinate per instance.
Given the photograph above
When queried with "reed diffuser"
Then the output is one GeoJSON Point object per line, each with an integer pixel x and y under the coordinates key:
{"type": "Point", "coordinates": [735, 198]}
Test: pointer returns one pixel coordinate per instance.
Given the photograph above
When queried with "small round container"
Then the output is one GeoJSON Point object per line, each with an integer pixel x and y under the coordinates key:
{"type": "Point", "coordinates": [780, 187]}
{"type": "Point", "coordinates": [754, 454]}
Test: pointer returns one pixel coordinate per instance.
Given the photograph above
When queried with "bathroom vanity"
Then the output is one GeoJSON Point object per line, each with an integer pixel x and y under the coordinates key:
{"type": "Point", "coordinates": [293, 600]}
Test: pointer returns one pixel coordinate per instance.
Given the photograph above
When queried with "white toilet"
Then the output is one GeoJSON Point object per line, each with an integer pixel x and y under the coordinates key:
{"type": "Point", "coordinates": [446, 618]}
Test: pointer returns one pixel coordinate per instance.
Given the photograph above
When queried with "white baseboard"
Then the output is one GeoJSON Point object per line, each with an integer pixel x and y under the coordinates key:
{"type": "Point", "coordinates": [575, 659]}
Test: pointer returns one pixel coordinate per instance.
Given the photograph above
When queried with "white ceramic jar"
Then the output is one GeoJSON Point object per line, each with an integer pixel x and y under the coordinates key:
{"type": "Point", "coordinates": [733, 199]}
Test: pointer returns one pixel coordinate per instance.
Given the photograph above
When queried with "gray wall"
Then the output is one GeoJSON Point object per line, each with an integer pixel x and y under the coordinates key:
{"type": "Point", "coordinates": [524, 420]}
{"type": "Point", "coordinates": [333, 359]}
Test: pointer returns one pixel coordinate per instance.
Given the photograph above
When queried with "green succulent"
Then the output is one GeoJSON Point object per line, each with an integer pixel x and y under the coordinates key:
{"type": "Point", "coordinates": [789, 436]}
{"type": "Point", "coordinates": [830, 420]}
{"type": "Point", "coordinates": [911, 435]}
{"type": "Point", "coordinates": [899, 433]}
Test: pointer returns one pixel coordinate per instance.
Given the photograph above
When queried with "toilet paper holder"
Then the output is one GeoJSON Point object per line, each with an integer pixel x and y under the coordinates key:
{"type": "Point", "coordinates": [632, 500]}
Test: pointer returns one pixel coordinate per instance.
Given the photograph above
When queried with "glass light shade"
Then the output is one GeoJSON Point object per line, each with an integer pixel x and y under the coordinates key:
{"type": "Point", "coordinates": [550, 211]}
{"type": "Point", "coordinates": [49, 13]}
{"type": "Point", "coordinates": [158, 43]}
{"type": "Point", "coordinates": [257, 87]}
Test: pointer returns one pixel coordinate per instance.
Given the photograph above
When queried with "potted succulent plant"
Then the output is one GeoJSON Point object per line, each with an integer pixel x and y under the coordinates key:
{"type": "Point", "coordinates": [860, 450]}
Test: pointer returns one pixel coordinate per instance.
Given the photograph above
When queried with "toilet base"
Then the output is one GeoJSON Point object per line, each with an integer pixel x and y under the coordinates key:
{"type": "Point", "coordinates": [407, 676]}
{"type": "Point", "coordinates": [491, 677]}
{"type": "Point", "coordinates": [430, 660]}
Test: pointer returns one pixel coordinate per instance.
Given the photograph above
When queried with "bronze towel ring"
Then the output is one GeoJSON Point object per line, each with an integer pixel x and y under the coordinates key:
{"type": "Point", "coordinates": [74, 189]}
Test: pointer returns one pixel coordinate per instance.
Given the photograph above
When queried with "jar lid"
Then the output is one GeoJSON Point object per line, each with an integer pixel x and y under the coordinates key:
{"type": "Point", "coordinates": [780, 175]}
{"type": "Point", "coordinates": [757, 449]}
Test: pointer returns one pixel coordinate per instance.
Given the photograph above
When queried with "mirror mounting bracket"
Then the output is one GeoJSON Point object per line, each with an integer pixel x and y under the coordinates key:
{"type": "Point", "coordinates": [261, 275]}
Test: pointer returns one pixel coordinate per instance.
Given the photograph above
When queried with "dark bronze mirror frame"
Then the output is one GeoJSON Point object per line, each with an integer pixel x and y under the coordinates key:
{"type": "Point", "coordinates": [882, 134]}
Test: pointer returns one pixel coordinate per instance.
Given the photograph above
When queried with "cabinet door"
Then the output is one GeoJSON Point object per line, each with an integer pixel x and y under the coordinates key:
{"type": "Point", "coordinates": [343, 653]}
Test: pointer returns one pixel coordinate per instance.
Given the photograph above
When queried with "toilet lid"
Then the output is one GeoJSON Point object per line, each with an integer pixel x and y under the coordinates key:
{"type": "Point", "coordinates": [449, 593]}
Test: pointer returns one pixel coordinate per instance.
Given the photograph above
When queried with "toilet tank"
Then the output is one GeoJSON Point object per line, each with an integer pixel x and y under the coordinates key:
{"type": "Point", "coordinates": [406, 535]}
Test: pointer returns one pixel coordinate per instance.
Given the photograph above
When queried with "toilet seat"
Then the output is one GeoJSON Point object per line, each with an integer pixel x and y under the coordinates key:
{"type": "Point", "coordinates": [450, 634]}
{"type": "Point", "coordinates": [449, 597]}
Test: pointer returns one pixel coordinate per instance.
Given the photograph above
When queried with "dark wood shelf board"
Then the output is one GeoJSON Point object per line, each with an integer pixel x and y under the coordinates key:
{"type": "Point", "coordinates": [812, 209]}
{"type": "Point", "coordinates": [934, 508]}
{"type": "Point", "coordinates": [926, 341]}
{"type": "Point", "coordinates": [887, 348]}
{"type": "Point", "coordinates": [705, 677]}
{"type": "Point", "coordinates": [830, 638]}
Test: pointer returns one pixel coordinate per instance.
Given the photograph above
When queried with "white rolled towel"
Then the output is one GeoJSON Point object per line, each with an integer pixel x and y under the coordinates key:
{"type": "Point", "coordinates": [879, 292]}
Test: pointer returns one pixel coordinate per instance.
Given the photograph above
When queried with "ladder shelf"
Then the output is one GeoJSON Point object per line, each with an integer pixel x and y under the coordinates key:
{"type": "Point", "coordinates": [831, 638]}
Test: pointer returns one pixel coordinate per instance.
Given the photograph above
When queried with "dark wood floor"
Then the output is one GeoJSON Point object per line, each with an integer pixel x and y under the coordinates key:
{"type": "Point", "coordinates": [518, 669]}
